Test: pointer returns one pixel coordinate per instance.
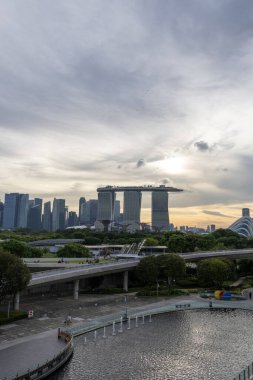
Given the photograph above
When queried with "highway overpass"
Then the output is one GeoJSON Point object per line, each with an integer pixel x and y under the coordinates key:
{"type": "Point", "coordinates": [87, 271]}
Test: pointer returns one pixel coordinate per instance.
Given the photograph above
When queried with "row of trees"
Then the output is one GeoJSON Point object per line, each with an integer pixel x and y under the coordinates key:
{"type": "Point", "coordinates": [176, 242]}
{"type": "Point", "coordinates": [171, 268]}
{"type": "Point", "coordinates": [21, 249]}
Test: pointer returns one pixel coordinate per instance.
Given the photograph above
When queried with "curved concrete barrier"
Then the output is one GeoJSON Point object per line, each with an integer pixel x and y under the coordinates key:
{"type": "Point", "coordinates": [44, 370]}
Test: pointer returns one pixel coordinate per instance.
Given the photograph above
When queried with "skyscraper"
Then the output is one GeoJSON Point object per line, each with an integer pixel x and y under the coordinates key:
{"type": "Point", "coordinates": [82, 204]}
{"type": "Point", "coordinates": [58, 214]}
{"type": "Point", "coordinates": [90, 214]}
{"type": "Point", "coordinates": [34, 214]}
{"type": "Point", "coordinates": [1, 214]}
{"type": "Point", "coordinates": [117, 211]}
{"type": "Point", "coordinates": [160, 210]}
{"type": "Point", "coordinates": [132, 209]}
{"type": "Point", "coordinates": [106, 206]}
{"type": "Point", "coordinates": [23, 208]}
{"type": "Point", "coordinates": [15, 210]}
{"type": "Point", "coordinates": [72, 219]}
{"type": "Point", "coordinates": [47, 217]}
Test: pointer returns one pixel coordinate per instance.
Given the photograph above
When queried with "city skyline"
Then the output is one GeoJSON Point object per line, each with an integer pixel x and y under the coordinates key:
{"type": "Point", "coordinates": [129, 93]}
{"type": "Point", "coordinates": [146, 213]}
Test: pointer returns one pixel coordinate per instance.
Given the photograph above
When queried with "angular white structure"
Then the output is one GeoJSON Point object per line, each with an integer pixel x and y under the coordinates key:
{"type": "Point", "coordinates": [244, 225]}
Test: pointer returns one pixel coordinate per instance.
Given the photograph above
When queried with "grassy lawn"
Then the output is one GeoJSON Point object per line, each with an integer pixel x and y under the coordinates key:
{"type": "Point", "coordinates": [14, 316]}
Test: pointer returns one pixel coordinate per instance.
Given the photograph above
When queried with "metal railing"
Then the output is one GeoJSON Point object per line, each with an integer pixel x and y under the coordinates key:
{"type": "Point", "coordinates": [245, 374]}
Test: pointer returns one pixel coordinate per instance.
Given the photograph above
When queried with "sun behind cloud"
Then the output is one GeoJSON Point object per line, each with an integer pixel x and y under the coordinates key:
{"type": "Point", "coordinates": [171, 165]}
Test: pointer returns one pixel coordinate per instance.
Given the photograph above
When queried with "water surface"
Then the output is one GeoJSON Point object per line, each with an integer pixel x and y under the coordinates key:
{"type": "Point", "coordinates": [180, 346]}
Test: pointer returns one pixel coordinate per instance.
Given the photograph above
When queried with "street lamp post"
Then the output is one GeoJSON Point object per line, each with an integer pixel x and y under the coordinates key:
{"type": "Point", "coordinates": [125, 315]}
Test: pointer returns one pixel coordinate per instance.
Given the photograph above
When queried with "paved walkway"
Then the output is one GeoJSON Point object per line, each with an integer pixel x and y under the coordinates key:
{"type": "Point", "coordinates": [19, 345]}
{"type": "Point", "coordinates": [27, 353]}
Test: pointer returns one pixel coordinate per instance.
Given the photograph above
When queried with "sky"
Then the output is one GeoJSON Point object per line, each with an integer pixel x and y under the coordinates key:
{"type": "Point", "coordinates": [127, 92]}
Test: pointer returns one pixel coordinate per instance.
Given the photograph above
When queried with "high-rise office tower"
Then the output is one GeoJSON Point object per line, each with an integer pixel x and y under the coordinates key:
{"type": "Point", "coordinates": [106, 202]}
{"type": "Point", "coordinates": [132, 209]}
{"type": "Point", "coordinates": [47, 217]}
{"type": "Point", "coordinates": [23, 210]}
{"type": "Point", "coordinates": [82, 204]}
{"type": "Point", "coordinates": [160, 210]}
{"type": "Point", "coordinates": [34, 214]}
{"type": "Point", "coordinates": [72, 219]}
{"type": "Point", "coordinates": [58, 215]}
{"type": "Point", "coordinates": [10, 211]}
{"type": "Point", "coordinates": [90, 214]}
{"type": "Point", "coordinates": [15, 210]}
{"type": "Point", "coordinates": [1, 214]}
{"type": "Point", "coordinates": [117, 211]}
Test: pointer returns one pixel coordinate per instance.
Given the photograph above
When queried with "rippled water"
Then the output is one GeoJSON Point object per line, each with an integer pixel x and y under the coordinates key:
{"type": "Point", "coordinates": [186, 345]}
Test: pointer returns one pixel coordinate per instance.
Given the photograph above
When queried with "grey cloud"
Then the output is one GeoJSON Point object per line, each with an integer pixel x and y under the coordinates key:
{"type": "Point", "coordinates": [216, 213]}
{"type": "Point", "coordinates": [202, 146]}
{"type": "Point", "coordinates": [140, 163]}
{"type": "Point", "coordinates": [150, 73]}
{"type": "Point", "coordinates": [165, 181]}
{"type": "Point", "coordinates": [222, 169]}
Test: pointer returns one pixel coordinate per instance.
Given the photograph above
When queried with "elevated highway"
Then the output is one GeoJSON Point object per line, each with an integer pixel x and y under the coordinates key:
{"type": "Point", "coordinates": [237, 254]}
{"type": "Point", "coordinates": [80, 271]}
{"type": "Point", "coordinates": [86, 271]}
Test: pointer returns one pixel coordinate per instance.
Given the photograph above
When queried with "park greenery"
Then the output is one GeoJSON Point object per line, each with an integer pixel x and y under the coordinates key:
{"type": "Point", "coordinates": [162, 268]}
{"type": "Point", "coordinates": [14, 274]}
{"type": "Point", "coordinates": [176, 242]}
{"type": "Point", "coordinates": [74, 250]}
{"type": "Point", "coordinates": [21, 249]}
{"type": "Point", "coordinates": [212, 273]}
{"type": "Point", "coordinates": [169, 271]}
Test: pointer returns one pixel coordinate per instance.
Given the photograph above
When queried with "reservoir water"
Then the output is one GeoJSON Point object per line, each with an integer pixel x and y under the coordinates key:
{"type": "Point", "coordinates": [186, 345]}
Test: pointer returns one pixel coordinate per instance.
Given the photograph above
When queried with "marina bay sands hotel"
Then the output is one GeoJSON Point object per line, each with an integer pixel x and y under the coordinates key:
{"type": "Point", "coordinates": [132, 205]}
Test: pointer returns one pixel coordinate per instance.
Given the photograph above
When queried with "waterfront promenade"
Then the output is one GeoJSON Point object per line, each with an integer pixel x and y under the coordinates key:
{"type": "Point", "coordinates": [20, 349]}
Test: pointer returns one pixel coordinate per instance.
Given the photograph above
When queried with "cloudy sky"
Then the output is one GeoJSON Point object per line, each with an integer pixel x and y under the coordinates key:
{"type": "Point", "coordinates": [129, 92]}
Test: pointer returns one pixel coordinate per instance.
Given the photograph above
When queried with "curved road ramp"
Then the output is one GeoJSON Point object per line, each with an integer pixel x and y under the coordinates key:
{"type": "Point", "coordinates": [47, 352]}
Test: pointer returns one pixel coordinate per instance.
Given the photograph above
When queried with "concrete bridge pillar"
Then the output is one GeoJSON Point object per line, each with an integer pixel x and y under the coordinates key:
{"type": "Point", "coordinates": [125, 281]}
{"type": "Point", "coordinates": [16, 301]}
{"type": "Point", "coordinates": [76, 289]}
